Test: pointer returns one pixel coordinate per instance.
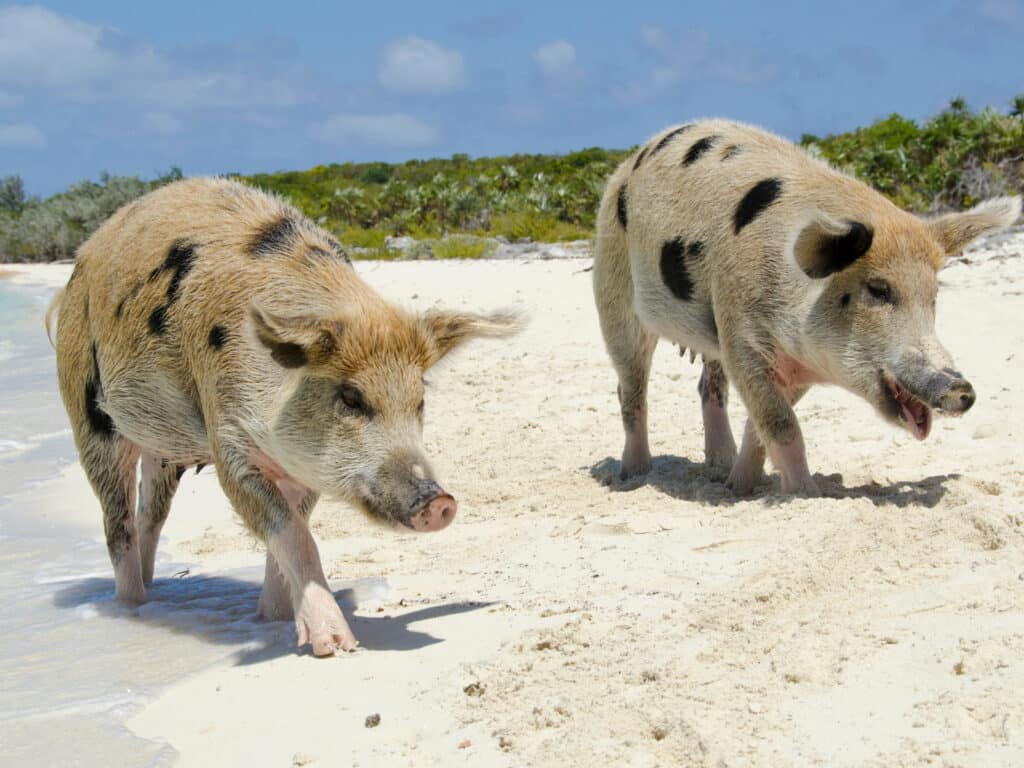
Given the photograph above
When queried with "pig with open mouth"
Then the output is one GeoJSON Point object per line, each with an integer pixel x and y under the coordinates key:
{"type": "Point", "coordinates": [783, 273]}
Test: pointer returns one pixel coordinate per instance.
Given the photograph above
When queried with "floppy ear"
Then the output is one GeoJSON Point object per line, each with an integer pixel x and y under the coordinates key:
{"type": "Point", "coordinates": [448, 330]}
{"type": "Point", "coordinates": [955, 231]}
{"type": "Point", "coordinates": [824, 246]}
{"type": "Point", "coordinates": [295, 342]}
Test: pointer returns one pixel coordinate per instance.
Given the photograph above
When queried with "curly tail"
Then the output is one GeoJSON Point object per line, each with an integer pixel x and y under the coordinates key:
{"type": "Point", "coordinates": [51, 312]}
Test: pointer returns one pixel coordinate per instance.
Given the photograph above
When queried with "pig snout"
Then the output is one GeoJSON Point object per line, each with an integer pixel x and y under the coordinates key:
{"type": "Point", "coordinates": [435, 515]}
{"type": "Point", "coordinates": [433, 509]}
{"type": "Point", "coordinates": [953, 393]}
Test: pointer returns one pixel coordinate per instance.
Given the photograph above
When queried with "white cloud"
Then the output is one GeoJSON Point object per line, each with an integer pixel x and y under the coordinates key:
{"type": "Point", "coordinates": [43, 51]}
{"type": "Point", "coordinates": [412, 64]}
{"type": "Point", "coordinates": [39, 47]}
{"type": "Point", "coordinates": [21, 136]}
{"type": "Point", "coordinates": [557, 62]}
{"type": "Point", "coordinates": [393, 130]}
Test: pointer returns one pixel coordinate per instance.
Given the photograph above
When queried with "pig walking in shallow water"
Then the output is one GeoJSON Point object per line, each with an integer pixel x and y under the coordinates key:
{"type": "Point", "coordinates": [210, 323]}
{"type": "Point", "coordinates": [782, 272]}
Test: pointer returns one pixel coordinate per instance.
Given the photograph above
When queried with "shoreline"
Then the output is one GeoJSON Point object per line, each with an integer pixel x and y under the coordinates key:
{"type": "Point", "coordinates": [567, 617]}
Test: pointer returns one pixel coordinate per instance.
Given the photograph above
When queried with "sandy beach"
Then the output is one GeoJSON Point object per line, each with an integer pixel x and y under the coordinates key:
{"type": "Point", "coordinates": [567, 618]}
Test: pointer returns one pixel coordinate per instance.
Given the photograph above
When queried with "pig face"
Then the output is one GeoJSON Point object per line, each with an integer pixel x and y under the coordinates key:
{"type": "Point", "coordinates": [873, 324]}
{"type": "Point", "coordinates": [349, 423]}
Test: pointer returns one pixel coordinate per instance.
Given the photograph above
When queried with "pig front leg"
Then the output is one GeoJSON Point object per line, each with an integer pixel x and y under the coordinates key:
{"type": "Point", "coordinates": [275, 508]}
{"type": "Point", "coordinates": [276, 598]}
{"type": "Point", "coordinates": [772, 427]}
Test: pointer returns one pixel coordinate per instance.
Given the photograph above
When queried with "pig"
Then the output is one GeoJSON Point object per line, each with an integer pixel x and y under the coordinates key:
{"type": "Point", "coordinates": [782, 272]}
{"type": "Point", "coordinates": [208, 322]}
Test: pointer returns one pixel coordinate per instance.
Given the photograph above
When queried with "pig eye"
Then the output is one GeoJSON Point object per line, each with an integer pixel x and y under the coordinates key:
{"type": "Point", "coordinates": [353, 399]}
{"type": "Point", "coordinates": [880, 291]}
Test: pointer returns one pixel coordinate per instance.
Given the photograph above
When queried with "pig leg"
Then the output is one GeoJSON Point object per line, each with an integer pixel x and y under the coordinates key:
{"type": "Point", "coordinates": [632, 391]}
{"type": "Point", "coordinates": [273, 509]}
{"type": "Point", "coordinates": [632, 349]}
{"type": "Point", "coordinates": [749, 467]}
{"type": "Point", "coordinates": [629, 344]}
{"type": "Point", "coordinates": [157, 483]}
{"type": "Point", "coordinates": [774, 423]}
{"type": "Point", "coordinates": [275, 598]}
{"type": "Point", "coordinates": [719, 446]}
{"type": "Point", "coordinates": [109, 463]}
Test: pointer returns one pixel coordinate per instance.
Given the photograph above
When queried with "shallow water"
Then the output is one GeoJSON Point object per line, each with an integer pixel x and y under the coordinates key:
{"type": "Point", "coordinates": [74, 665]}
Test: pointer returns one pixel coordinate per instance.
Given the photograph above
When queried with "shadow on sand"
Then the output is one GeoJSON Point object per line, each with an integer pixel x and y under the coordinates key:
{"type": "Point", "coordinates": [222, 610]}
{"type": "Point", "coordinates": [691, 481]}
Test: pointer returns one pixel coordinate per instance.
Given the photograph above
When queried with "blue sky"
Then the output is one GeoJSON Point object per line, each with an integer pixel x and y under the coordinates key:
{"type": "Point", "coordinates": [136, 87]}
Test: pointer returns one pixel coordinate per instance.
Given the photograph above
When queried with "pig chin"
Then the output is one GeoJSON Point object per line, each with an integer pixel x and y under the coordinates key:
{"type": "Point", "coordinates": [898, 404]}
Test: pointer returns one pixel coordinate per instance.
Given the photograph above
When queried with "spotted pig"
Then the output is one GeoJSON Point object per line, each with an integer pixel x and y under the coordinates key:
{"type": "Point", "coordinates": [211, 323]}
{"type": "Point", "coordinates": [783, 273]}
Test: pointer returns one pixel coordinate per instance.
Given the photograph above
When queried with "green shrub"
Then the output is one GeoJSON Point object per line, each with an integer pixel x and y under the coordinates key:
{"type": "Point", "coordinates": [462, 247]}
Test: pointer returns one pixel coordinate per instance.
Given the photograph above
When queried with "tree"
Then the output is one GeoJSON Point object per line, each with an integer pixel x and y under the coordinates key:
{"type": "Point", "coordinates": [12, 194]}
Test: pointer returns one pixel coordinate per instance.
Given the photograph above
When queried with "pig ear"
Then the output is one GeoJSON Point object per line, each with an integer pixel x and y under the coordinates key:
{"type": "Point", "coordinates": [824, 246]}
{"type": "Point", "coordinates": [448, 330]}
{"type": "Point", "coordinates": [955, 231]}
{"type": "Point", "coordinates": [294, 342]}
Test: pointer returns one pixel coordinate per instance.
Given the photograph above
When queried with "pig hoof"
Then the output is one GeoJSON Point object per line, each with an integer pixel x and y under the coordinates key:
{"type": "Point", "coordinates": [320, 622]}
{"type": "Point", "coordinates": [634, 467]}
{"type": "Point", "coordinates": [721, 461]}
{"type": "Point", "coordinates": [742, 483]}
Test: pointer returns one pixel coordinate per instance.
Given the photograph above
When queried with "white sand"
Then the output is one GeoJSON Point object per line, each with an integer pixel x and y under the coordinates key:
{"type": "Point", "coordinates": [566, 619]}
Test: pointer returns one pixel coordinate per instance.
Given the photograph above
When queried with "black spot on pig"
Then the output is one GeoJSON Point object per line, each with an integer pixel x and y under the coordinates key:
{"type": "Point", "coordinates": [158, 321]}
{"type": "Point", "coordinates": [730, 151]}
{"type": "Point", "coordinates": [274, 237]}
{"type": "Point", "coordinates": [179, 262]}
{"type": "Point", "coordinates": [699, 147]}
{"type": "Point", "coordinates": [674, 273]}
{"type": "Point", "coordinates": [218, 336]}
{"type": "Point", "coordinates": [99, 420]}
{"type": "Point", "coordinates": [640, 158]}
{"type": "Point", "coordinates": [668, 137]}
{"type": "Point", "coordinates": [713, 385]}
{"type": "Point", "coordinates": [760, 196]}
{"type": "Point", "coordinates": [620, 208]}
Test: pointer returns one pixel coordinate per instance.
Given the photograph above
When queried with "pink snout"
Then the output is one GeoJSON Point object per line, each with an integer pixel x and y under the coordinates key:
{"type": "Point", "coordinates": [436, 514]}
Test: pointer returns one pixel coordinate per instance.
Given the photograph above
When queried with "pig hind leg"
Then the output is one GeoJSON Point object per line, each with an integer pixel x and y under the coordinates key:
{"type": "Point", "coordinates": [719, 445]}
{"type": "Point", "coordinates": [157, 484]}
{"type": "Point", "coordinates": [109, 463]}
{"type": "Point", "coordinates": [631, 348]}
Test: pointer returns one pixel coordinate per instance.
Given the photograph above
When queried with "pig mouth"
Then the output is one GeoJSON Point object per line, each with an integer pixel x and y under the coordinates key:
{"type": "Point", "coordinates": [906, 407]}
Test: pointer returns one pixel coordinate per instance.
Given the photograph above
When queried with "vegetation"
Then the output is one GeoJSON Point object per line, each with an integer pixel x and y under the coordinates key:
{"type": "Point", "coordinates": [951, 160]}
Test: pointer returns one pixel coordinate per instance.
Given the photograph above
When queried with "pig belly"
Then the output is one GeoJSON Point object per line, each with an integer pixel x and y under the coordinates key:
{"type": "Point", "coordinates": [157, 416]}
{"type": "Point", "coordinates": [691, 324]}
